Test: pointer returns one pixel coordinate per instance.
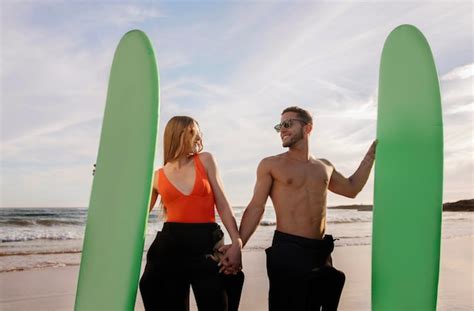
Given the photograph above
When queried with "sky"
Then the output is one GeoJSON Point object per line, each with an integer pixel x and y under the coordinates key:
{"type": "Point", "coordinates": [233, 66]}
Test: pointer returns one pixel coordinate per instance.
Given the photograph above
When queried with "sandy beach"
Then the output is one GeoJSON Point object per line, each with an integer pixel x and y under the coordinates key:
{"type": "Point", "coordinates": [54, 288]}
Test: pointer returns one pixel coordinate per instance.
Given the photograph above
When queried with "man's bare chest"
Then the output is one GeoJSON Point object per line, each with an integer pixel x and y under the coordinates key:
{"type": "Point", "coordinates": [302, 175]}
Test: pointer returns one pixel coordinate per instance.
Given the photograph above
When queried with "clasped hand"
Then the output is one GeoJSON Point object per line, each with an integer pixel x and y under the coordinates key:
{"type": "Point", "coordinates": [230, 258]}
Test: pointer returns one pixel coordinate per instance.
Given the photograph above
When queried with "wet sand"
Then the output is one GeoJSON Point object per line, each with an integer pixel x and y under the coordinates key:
{"type": "Point", "coordinates": [54, 288]}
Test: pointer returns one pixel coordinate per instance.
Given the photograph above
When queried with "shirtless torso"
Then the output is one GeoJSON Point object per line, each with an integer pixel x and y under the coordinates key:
{"type": "Point", "coordinates": [298, 192]}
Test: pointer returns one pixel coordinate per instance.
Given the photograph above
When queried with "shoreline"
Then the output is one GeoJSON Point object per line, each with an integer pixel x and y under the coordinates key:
{"type": "Point", "coordinates": [458, 206]}
{"type": "Point", "coordinates": [79, 252]}
{"type": "Point", "coordinates": [54, 288]}
{"type": "Point", "coordinates": [464, 205]}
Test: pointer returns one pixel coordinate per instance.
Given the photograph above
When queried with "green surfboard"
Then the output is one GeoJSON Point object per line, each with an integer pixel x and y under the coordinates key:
{"type": "Point", "coordinates": [408, 176]}
{"type": "Point", "coordinates": [117, 214]}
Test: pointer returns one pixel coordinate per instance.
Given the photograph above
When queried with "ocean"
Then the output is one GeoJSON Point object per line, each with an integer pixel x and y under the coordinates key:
{"type": "Point", "coordinates": [52, 237]}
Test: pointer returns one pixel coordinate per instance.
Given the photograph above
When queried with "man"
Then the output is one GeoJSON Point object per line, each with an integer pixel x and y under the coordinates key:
{"type": "Point", "coordinates": [299, 264]}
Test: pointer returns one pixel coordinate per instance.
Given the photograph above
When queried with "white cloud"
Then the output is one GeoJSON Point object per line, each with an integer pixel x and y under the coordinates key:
{"type": "Point", "coordinates": [463, 72]}
{"type": "Point", "coordinates": [128, 14]}
{"type": "Point", "coordinates": [458, 114]}
{"type": "Point", "coordinates": [233, 71]}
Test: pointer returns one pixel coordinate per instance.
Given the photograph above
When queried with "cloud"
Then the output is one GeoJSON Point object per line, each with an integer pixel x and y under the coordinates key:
{"type": "Point", "coordinates": [458, 116]}
{"type": "Point", "coordinates": [128, 14]}
{"type": "Point", "coordinates": [233, 67]}
{"type": "Point", "coordinates": [463, 72]}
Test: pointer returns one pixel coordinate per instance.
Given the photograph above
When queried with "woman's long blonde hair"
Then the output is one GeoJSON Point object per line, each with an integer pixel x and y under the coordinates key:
{"type": "Point", "coordinates": [178, 135]}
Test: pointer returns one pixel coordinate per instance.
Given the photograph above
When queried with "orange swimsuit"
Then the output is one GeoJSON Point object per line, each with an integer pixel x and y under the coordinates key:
{"type": "Point", "coordinates": [197, 207]}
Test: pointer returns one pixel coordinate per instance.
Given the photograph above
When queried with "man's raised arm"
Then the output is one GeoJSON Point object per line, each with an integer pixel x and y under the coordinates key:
{"type": "Point", "coordinates": [351, 186]}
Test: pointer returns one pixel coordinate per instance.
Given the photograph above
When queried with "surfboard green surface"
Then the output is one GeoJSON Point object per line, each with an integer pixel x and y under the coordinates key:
{"type": "Point", "coordinates": [117, 215]}
{"type": "Point", "coordinates": [408, 176]}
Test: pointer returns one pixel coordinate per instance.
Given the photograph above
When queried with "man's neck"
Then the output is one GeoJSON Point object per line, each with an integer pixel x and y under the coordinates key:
{"type": "Point", "coordinates": [299, 151]}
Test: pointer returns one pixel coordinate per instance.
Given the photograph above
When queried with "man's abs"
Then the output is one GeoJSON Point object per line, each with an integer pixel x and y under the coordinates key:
{"type": "Point", "coordinates": [300, 213]}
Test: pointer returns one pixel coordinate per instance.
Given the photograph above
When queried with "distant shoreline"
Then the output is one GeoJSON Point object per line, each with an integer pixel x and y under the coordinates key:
{"type": "Point", "coordinates": [458, 206]}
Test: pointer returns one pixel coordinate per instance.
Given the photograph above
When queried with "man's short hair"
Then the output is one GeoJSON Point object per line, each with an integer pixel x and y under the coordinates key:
{"type": "Point", "coordinates": [302, 113]}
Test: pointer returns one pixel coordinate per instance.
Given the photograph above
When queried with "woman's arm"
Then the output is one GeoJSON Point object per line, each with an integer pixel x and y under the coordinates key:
{"type": "Point", "coordinates": [154, 192]}
{"type": "Point", "coordinates": [226, 214]}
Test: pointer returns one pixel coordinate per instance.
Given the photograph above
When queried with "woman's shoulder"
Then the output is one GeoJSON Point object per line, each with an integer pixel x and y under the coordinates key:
{"type": "Point", "coordinates": [205, 156]}
{"type": "Point", "coordinates": [156, 176]}
{"type": "Point", "coordinates": [207, 159]}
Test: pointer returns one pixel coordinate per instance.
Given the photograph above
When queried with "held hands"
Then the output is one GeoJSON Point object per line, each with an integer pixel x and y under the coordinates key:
{"type": "Point", "coordinates": [231, 258]}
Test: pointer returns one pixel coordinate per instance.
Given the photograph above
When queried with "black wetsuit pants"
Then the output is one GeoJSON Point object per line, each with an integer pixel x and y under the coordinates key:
{"type": "Point", "coordinates": [301, 274]}
{"type": "Point", "coordinates": [179, 258]}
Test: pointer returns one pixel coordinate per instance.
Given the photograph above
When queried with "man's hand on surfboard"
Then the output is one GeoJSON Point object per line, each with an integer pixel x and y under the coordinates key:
{"type": "Point", "coordinates": [370, 156]}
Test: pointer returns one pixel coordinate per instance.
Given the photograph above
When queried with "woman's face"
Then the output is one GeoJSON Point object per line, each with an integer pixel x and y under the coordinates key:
{"type": "Point", "coordinates": [195, 138]}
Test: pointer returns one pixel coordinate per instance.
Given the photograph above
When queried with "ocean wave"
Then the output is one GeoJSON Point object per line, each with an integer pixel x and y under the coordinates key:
{"type": "Point", "coordinates": [33, 236]}
{"type": "Point", "coordinates": [348, 221]}
{"type": "Point", "coordinates": [265, 223]}
{"type": "Point", "coordinates": [353, 243]}
{"type": "Point", "coordinates": [341, 237]}
{"type": "Point", "coordinates": [42, 252]}
{"type": "Point", "coordinates": [40, 222]}
{"type": "Point", "coordinates": [40, 265]}
{"type": "Point", "coordinates": [457, 236]}
{"type": "Point", "coordinates": [17, 222]}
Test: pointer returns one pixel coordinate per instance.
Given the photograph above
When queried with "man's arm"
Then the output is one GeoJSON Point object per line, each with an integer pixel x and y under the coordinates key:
{"type": "Point", "coordinates": [351, 186]}
{"type": "Point", "coordinates": [254, 211]}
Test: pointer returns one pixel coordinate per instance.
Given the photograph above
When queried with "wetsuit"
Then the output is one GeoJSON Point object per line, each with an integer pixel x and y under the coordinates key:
{"type": "Point", "coordinates": [180, 255]}
{"type": "Point", "coordinates": [301, 274]}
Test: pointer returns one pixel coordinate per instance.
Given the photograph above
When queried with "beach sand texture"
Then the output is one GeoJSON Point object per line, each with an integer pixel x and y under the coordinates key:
{"type": "Point", "coordinates": [54, 288]}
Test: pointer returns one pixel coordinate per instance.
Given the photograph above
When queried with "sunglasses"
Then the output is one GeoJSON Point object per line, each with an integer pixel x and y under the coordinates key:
{"type": "Point", "coordinates": [287, 124]}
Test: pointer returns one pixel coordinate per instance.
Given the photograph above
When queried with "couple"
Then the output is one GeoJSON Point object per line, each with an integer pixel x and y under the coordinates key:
{"type": "Point", "coordinates": [190, 251]}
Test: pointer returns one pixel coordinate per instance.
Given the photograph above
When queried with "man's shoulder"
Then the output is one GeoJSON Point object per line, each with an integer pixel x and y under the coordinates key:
{"type": "Point", "coordinates": [271, 162]}
{"type": "Point", "coordinates": [325, 162]}
{"type": "Point", "coordinates": [273, 159]}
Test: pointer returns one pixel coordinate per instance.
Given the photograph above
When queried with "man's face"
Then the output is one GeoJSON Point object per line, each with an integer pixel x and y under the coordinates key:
{"type": "Point", "coordinates": [291, 130]}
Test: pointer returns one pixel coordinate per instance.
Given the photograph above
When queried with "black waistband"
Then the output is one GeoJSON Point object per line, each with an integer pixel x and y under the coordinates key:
{"type": "Point", "coordinates": [189, 226]}
{"type": "Point", "coordinates": [282, 237]}
{"type": "Point", "coordinates": [188, 238]}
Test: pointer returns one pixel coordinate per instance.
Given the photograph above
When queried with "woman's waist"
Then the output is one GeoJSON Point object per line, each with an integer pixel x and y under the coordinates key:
{"type": "Point", "coordinates": [188, 227]}
{"type": "Point", "coordinates": [180, 212]}
{"type": "Point", "coordinates": [189, 237]}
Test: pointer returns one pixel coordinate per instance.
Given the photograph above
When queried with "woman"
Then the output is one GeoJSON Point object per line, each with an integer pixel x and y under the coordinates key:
{"type": "Point", "coordinates": [185, 252]}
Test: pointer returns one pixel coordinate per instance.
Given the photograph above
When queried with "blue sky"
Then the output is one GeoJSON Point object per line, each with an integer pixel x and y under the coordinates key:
{"type": "Point", "coordinates": [233, 66]}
